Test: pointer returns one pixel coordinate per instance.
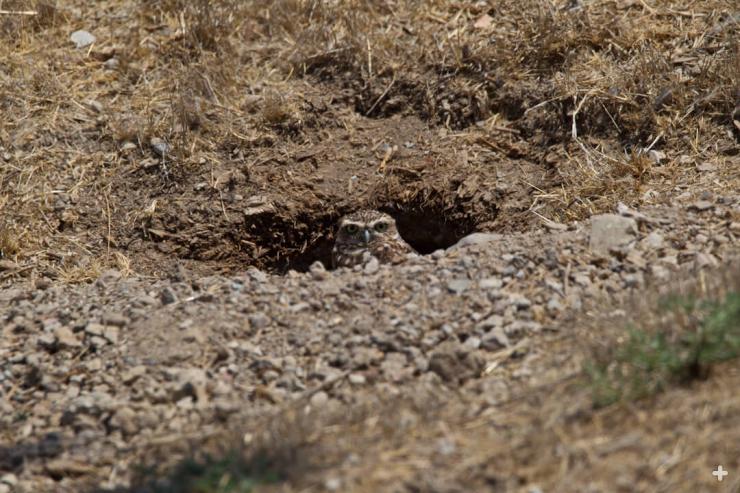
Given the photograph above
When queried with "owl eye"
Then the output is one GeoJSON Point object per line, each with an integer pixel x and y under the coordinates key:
{"type": "Point", "coordinates": [381, 227]}
{"type": "Point", "coordinates": [351, 229]}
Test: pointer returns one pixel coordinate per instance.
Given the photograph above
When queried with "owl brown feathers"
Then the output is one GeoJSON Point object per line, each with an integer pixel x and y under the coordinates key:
{"type": "Point", "coordinates": [368, 233]}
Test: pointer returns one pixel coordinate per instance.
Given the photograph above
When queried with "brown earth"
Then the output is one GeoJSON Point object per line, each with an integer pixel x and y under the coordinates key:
{"type": "Point", "coordinates": [142, 175]}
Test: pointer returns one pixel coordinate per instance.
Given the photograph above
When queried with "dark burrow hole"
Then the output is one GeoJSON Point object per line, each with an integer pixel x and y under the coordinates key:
{"type": "Point", "coordinates": [426, 230]}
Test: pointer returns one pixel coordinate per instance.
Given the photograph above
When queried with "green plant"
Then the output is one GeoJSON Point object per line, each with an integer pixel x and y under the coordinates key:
{"type": "Point", "coordinates": [227, 474]}
{"type": "Point", "coordinates": [697, 334]}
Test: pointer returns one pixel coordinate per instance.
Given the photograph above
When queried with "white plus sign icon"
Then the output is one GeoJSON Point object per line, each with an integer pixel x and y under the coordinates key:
{"type": "Point", "coordinates": [720, 473]}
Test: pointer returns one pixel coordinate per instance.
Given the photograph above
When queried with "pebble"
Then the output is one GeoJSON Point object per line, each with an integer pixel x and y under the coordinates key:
{"type": "Point", "coordinates": [356, 379]}
{"type": "Point", "coordinates": [319, 399]}
{"type": "Point", "coordinates": [66, 338]}
{"type": "Point", "coordinates": [372, 266]}
{"type": "Point", "coordinates": [167, 296]}
{"type": "Point", "coordinates": [654, 240]}
{"type": "Point", "coordinates": [495, 339]}
{"type": "Point", "coordinates": [111, 63]}
{"type": "Point", "coordinates": [491, 283]}
{"type": "Point", "coordinates": [611, 231]}
{"type": "Point", "coordinates": [701, 206]}
{"type": "Point", "coordinates": [82, 38]}
{"type": "Point", "coordinates": [9, 479]}
{"type": "Point", "coordinates": [477, 239]}
{"type": "Point", "coordinates": [160, 147]}
{"type": "Point", "coordinates": [458, 286]}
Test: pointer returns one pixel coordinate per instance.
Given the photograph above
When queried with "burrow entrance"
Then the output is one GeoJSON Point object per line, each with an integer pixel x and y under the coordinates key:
{"type": "Point", "coordinates": [296, 243]}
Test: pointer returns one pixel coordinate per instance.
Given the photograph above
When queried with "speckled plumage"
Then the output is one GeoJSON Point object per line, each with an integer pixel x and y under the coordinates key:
{"type": "Point", "coordinates": [367, 233]}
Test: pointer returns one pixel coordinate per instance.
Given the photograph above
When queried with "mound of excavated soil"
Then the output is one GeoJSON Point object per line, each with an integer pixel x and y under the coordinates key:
{"type": "Point", "coordinates": [457, 370]}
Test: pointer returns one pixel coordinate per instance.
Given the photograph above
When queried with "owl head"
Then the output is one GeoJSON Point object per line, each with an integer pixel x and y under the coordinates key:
{"type": "Point", "coordinates": [365, 227]}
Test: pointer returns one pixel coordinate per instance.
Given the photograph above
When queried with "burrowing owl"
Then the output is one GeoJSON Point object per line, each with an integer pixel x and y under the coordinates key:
{"type": "Point", "coordinates": [366, 233]}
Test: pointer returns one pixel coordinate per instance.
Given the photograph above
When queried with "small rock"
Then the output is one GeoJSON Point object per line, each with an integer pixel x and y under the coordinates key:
{"type": "Point", "coordinates": [458, 286]}
{"type": "Point", "coordinates": [491, 283]}
{"type": "Point", "coordinates": [94, 329]}
{"type": "Point", "coordinates": [333, 484]}
{"type": "Point", "coordinates": [372, 266]}
{"type": "Point", "coordinates": [701, 206]}
{"type": "Point", "coordinates": [476, 239]}
{"type": "Point", "coordinates": [454, 363]}
{"type": "Point", "coordinates": [659, 272]}
{"type": "Point", "coordinates": [445, 446]}
{"type": "Point", "coordinates": [495, 339]}
{"type": "Point", "coordinates": [66, 338]}
{"type": "Point", "coordinates": [82, 38]}
{"type": "Point", "coordinates": [519, 301]}
{"type": "Point", "coordinates": [653, 240]}
{"type": "Point", "coordinates": [191, 382]}
{"type": "Point", "coordinates": [356, 379]}
{"type": "Point", "coordinates": [636, 258]}
{"type": "Point", "coordinates": [611, 231]}
{"type": "Point", "coordinates": [633, 280]}
{"type": "Point", "coordinates": [111, 63]}
{"type": "Point", "coordinates": [167, 296]}
{"type": "Point", "coordinates": [319, 399]}
{"type": "Point", "coordinates": [318, 271]}
{"type": "Point", "coordinates": [259, 320]}
{"type": "Point", "coordinates": [492, 321]}
{"type": "Point", "coordinates": [9, 479]}
{"type": "Point", "coordinates": [299, 307]}
{"type": "Point", "coordinates": [160, 147]}
{"type": "Point", "coordinates": [394, 367]}
{"type": "Point", "coordinates": [554, 306]}
{"type": "Point", "coordinates": [472, 342]}
{"type": "Point", "coordinates": [257, 275]}
{"type": "Point", "coordinates": [68, 467]}
{"type": "Point", "coordinates": [703, 260]}
{"type": "Point", "coordinates": [115, 319]}
{"type": "Point", "coordinates": [48, 342]}
{"type": "Point", "coordinates": [124, 419]}
{"type": "Point", "coordinates": [133, 374]}
{"type": "Point", "coordinates": [657, 156]}
{"type": "Point", "coordinates": [110, 333]}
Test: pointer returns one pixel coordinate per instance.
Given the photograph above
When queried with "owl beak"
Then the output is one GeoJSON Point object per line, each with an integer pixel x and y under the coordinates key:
{"type": "Point", "coordinates": [367, 236]}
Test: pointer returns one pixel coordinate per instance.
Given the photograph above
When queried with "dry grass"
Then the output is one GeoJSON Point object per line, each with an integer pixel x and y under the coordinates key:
{"type": "Point", "coordinates": [584, 92]}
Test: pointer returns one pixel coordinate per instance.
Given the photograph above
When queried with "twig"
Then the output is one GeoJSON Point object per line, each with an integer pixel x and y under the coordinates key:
{"type": "Point", "coordinates": [107, 211]}
{"type": "Point", "coordinates": [654, 142]}
{"type": "Point", "coordinates": [18, 12]}
{"type": "Point", "coordinates": [12, 273]}
{"type": "Point", "coordinates": [574, 129]}
{"type": "Point", "coordinates": [384, 93]}
{"type": "Point", "coordinates": [388, 153]}
{"type": "Point", "coordinates": [504, 129]}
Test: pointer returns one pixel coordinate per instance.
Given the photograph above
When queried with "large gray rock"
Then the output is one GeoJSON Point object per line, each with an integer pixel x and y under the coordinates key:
{"type": "Point", "coordinates": [476, 239]}
{"type": "Point", "coordinates": [611, 231]}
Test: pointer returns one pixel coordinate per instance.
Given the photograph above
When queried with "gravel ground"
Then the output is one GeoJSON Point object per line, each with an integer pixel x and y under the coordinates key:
{"type": "Point", "coordinates": [95, 374]}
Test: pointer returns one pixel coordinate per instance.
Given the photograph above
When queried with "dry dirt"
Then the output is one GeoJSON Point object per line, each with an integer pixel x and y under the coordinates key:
{"type": "Point", "coordinates": [167, 190]}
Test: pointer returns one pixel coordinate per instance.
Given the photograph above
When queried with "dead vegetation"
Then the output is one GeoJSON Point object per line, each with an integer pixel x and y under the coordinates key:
{"type": "Point", "coordinates": [201, 107]}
